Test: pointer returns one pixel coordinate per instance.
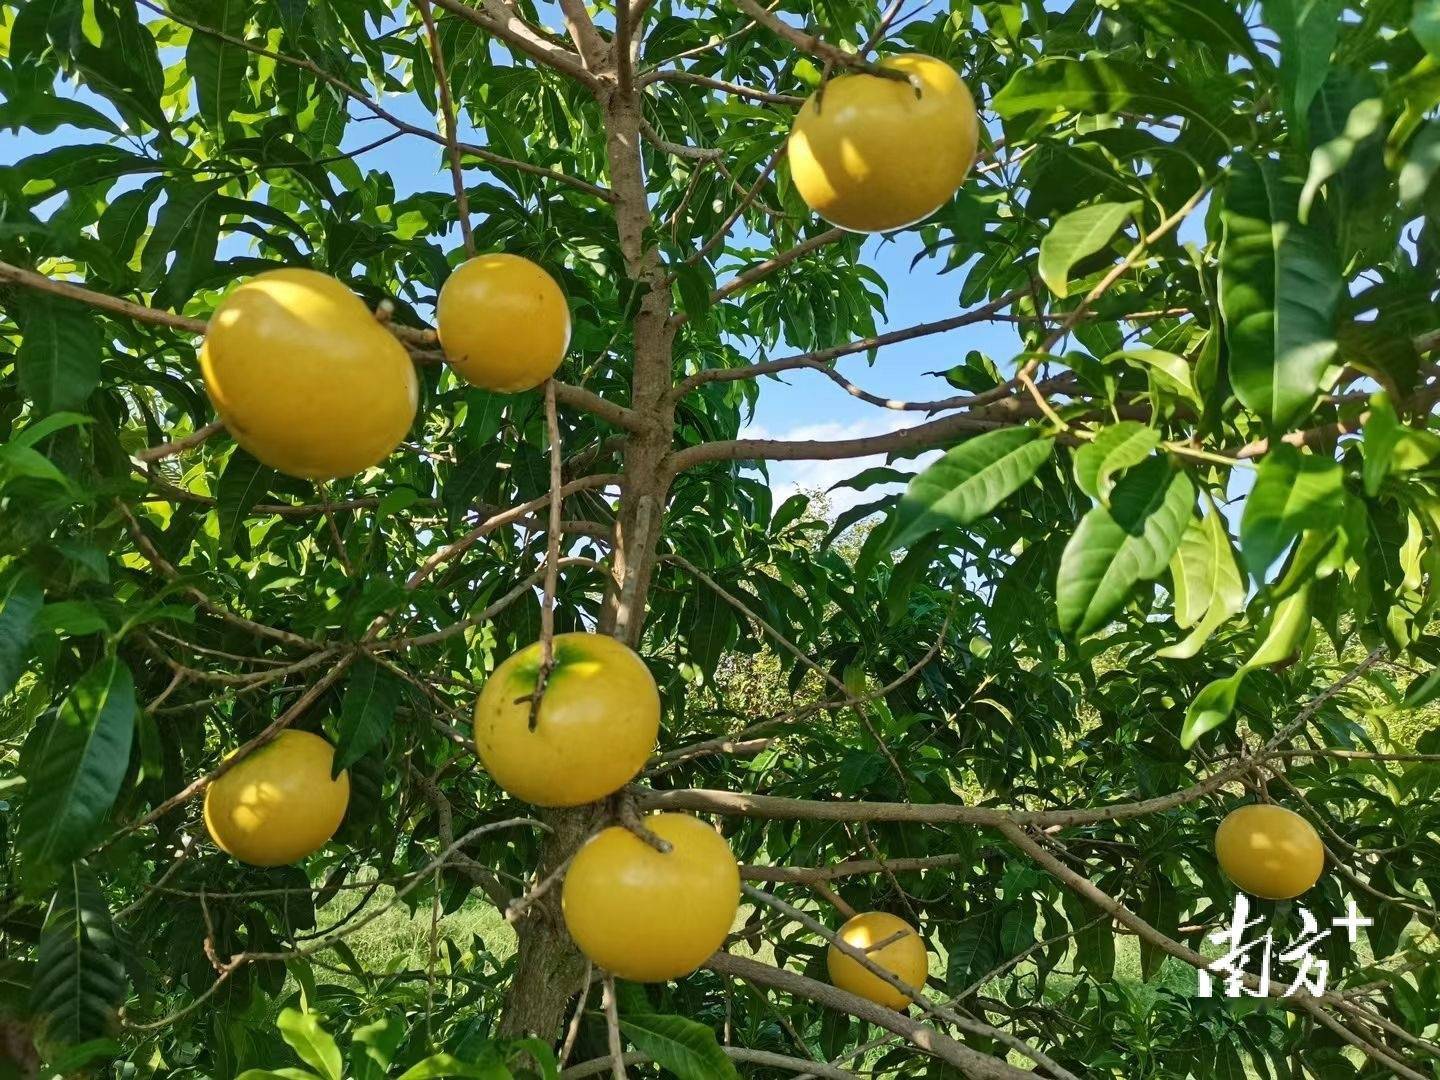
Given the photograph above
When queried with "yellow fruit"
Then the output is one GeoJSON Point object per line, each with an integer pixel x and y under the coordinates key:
{"type": "Point", "coordinates": [305, 378]}
{"type": "Point", "coordinates": [503, 323]}
{"type": "Point", "coordinates": [1269, 851]}
{"type": "Point", "coordinates": [279, 804]}
{"type": "Point", "coordinates": [869, 155]}
{"type": "Point", "coordinates": [904, 957]}
{"type": "Point", "coordinates": [648, 916]}
{"type": "Point", "coordinates": [596, 728]}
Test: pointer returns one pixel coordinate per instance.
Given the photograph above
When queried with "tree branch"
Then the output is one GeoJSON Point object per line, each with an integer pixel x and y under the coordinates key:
{"type": "Point", "coordinates": [680, 75]}
{"type": "Point", "coordinates": [451, 132]}
{"type": "Point", "coordinates": [922, 1036]}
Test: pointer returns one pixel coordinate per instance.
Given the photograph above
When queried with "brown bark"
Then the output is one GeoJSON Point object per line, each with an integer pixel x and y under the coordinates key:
{"type": "Point", "coordinates": [549, 970]}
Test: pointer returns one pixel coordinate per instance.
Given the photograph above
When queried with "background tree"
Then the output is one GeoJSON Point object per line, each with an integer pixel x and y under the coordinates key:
{"type": "Point", "coordinates": [1013, 710]}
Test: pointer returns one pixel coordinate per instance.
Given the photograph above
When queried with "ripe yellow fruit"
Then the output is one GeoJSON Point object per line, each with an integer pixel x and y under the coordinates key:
{"type": "Point", "coordinates": [1269, 851]}
{"type": "Point", "coordinates": [869, 155]}
{"type": "Point", "coordinates": [904, 957]}
{"type": "Point", "coordinates": [503, 323]}
{"type": "Point", "coordinates": [279, 804]}
{"type": "Point", "coordinates": [304, 377]}
{"type": "Point", "coordinates": [648, 916]}
{"type": "Point", "coordinates": [595, 730]}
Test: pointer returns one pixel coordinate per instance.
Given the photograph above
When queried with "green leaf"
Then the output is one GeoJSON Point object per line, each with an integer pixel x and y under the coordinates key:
{"type": "Point", "coordinates": [311, 1042]}
{"type": "Point", "coordinates": [1331, 157]}
{"type": "Point", "coordinates": [1168, 371]}
{"type": "Point", "coordinates": [1055, 86]}
{"type": "Point", "coordinates": [59, 356]}
{"type": "Point", "coordinates": [1391, 447]}
{"type": "Point", "coordinates": [376, 1043]}
{"type": "Point", "coordinates": [366, 713]}
{"type": "Point", "coordinates": [1308, 31]}
{"type": "Point", "coordinates": [1207, 582]}
{"type": "Point", "coordinates": [687, 1049]}
{"type": "Point", "coordinates": [1215, 22]}
{"type": "Point", "coordinates": [1105, 559]}
{"type": "Point", "coordinates": [237, 491]}
{"type": "Point", "coordinates": [1113, 450]}
{"type": "Point", "coordinates": [1211, 708]}
{"type": "Point", "coordinates": [79, 979]}
{"type": "Point", "coordinates": [1077, 236]}
{"type": "Point", "coordinates": [184, 215]}
{"type": "Point", "coordinates": [43, 429]}
{"type": "Point", "coordinates": [447, 1065]}
{"type": "Point", "coordinates": [1425, 25]}
{"type": "Point", "coordinates": [20, 601]}
{"type": "Point", "coordinates": [276, 1074]}
{"type": "Point", "coordinates": [1279, 291]}
{"type": "Point", "coordinates": [42, 113]}
{"type": "Point", "coordinates": [217, 66]}
{"type": "Point", "coordinates": [1286, 631]}
{"type": "Point", "coordinates": [1293, 492]}
{"type": "Point", "coordinates": [970, 480]}
{"type": "Point", "coordinates": [73, 765]}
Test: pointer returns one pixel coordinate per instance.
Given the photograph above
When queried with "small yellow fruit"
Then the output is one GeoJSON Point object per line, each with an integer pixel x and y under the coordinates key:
{"type": "Point", "coordinates": [503, 323]}
{"type": "Point", "coordinates": [304, 378]}
{"type": "Point", "coordinates": [647, 916]}
{"type": "Point", "coordinates": [279, 804]}
{"type": "Point", "coordinates": [870, 154]}
{"type": "Point", "coordinates": [595, 730]}
{"type": "Point", "coordinates": [904, 957]}
{"type": "Point", "coordinates": [1269, 851]}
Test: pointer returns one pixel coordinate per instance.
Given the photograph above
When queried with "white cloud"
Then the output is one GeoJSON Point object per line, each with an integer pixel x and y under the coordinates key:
{"type": "Point", "coordinates": [788, 477]}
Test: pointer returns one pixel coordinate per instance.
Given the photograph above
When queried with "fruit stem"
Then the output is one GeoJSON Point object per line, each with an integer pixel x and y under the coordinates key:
{"type": "Point", "coordinates": [631, 820]}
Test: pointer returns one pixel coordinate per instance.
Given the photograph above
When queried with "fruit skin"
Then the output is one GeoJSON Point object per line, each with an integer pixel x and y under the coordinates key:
{"type": "Point", "coordinates": [904, 957]}
{"type": "Point", "coordinates": [597, 725]}
{"type": "Point", "coordinates": [868, 155]}
{"type": "Point", "coordinates": [304, 377]}
{"type": "Point", "coordinates": [647, 916]}
{"type": "Point", "coordinates": [279, 804]}
{"type": "Point", "coordinates": [503, 323]}
{"type": "Point", "coordinates": [1270, 852]}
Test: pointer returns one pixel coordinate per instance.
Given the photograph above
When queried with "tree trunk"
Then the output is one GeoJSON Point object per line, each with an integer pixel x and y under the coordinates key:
{"type": "Point", "coordinates": [548, 968]}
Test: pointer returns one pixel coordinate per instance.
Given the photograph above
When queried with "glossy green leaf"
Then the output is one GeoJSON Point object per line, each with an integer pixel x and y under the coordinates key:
{"type": "Point", "coordinates": [311, 1042]}
{"type": "Point", "coordinates": [373, 1047]}
{"type": "Point", "coordinates": [366, 712]}
{"type": "Point", "coordinates": [218, 66]}
{"type": "Point", "coordinates": [20, 601]}
{"type": "Point", "coordinates": [1207, 583]}
{"type": "Point", "coordinates": [73, 765]}
{"type": "Point", "coordinates": [1285, 631]}
{"type": "Point", "coordinates": [1077, 236]}
{"type": "Point", "coordinates": [438, 1065]}
{"type": "Point", "coordinates": [1211, 708]}
{"type": "Point", "coordinates": [1279, 288]}
{"type": "Point", "coordinates": [59, 357]}
{"type": "Point", "coordinates": [1054, 87]}
{"type": "Point", "coordinates": [686, 1048]}
{"type": "Point", "coordinates": [1113, 450]}
{"type": "Point", "coordinates": [1308, 31]}
{"type": "Point", "coordinates": [1105, 560]}
{"type": "Point", "coordinates": [1425, 25]}
{"type": "Point", "coordinates": [969, 481]}
{"type": "Point", "coordinates": [1215, 22]}
{"type": "Point", "coordinates": [79, 980]}
{"type": "Point", "coordinates": [1293, 492]}
{"type": "Point", "coordinates": [1330, 158]}
{"type": "Point", "coordinates": [1170, 372]}
{"type": "Point", "coordinates": [243, 483]}
{"type": "Point", "coordinates": [1391, 446]}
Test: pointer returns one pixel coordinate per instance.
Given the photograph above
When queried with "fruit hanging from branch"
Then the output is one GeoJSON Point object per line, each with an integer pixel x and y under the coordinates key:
{"type": "Point", "coordinates": [305, 378]}
{"type": "Point", "coordinates": [647, 915]}
{"type": "Point", "coordinates": [872, 154]}
{"type": "Point", "coordinates": [1269, 851]}
{"type": "Point", "coordinates": [890, 943]}
{"type": "Point", "coordinates": [595, 727]}
{"type": "Point", "coordinates": [503, 323]}
{"type": "Point", "coordinates": [280, 803]}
